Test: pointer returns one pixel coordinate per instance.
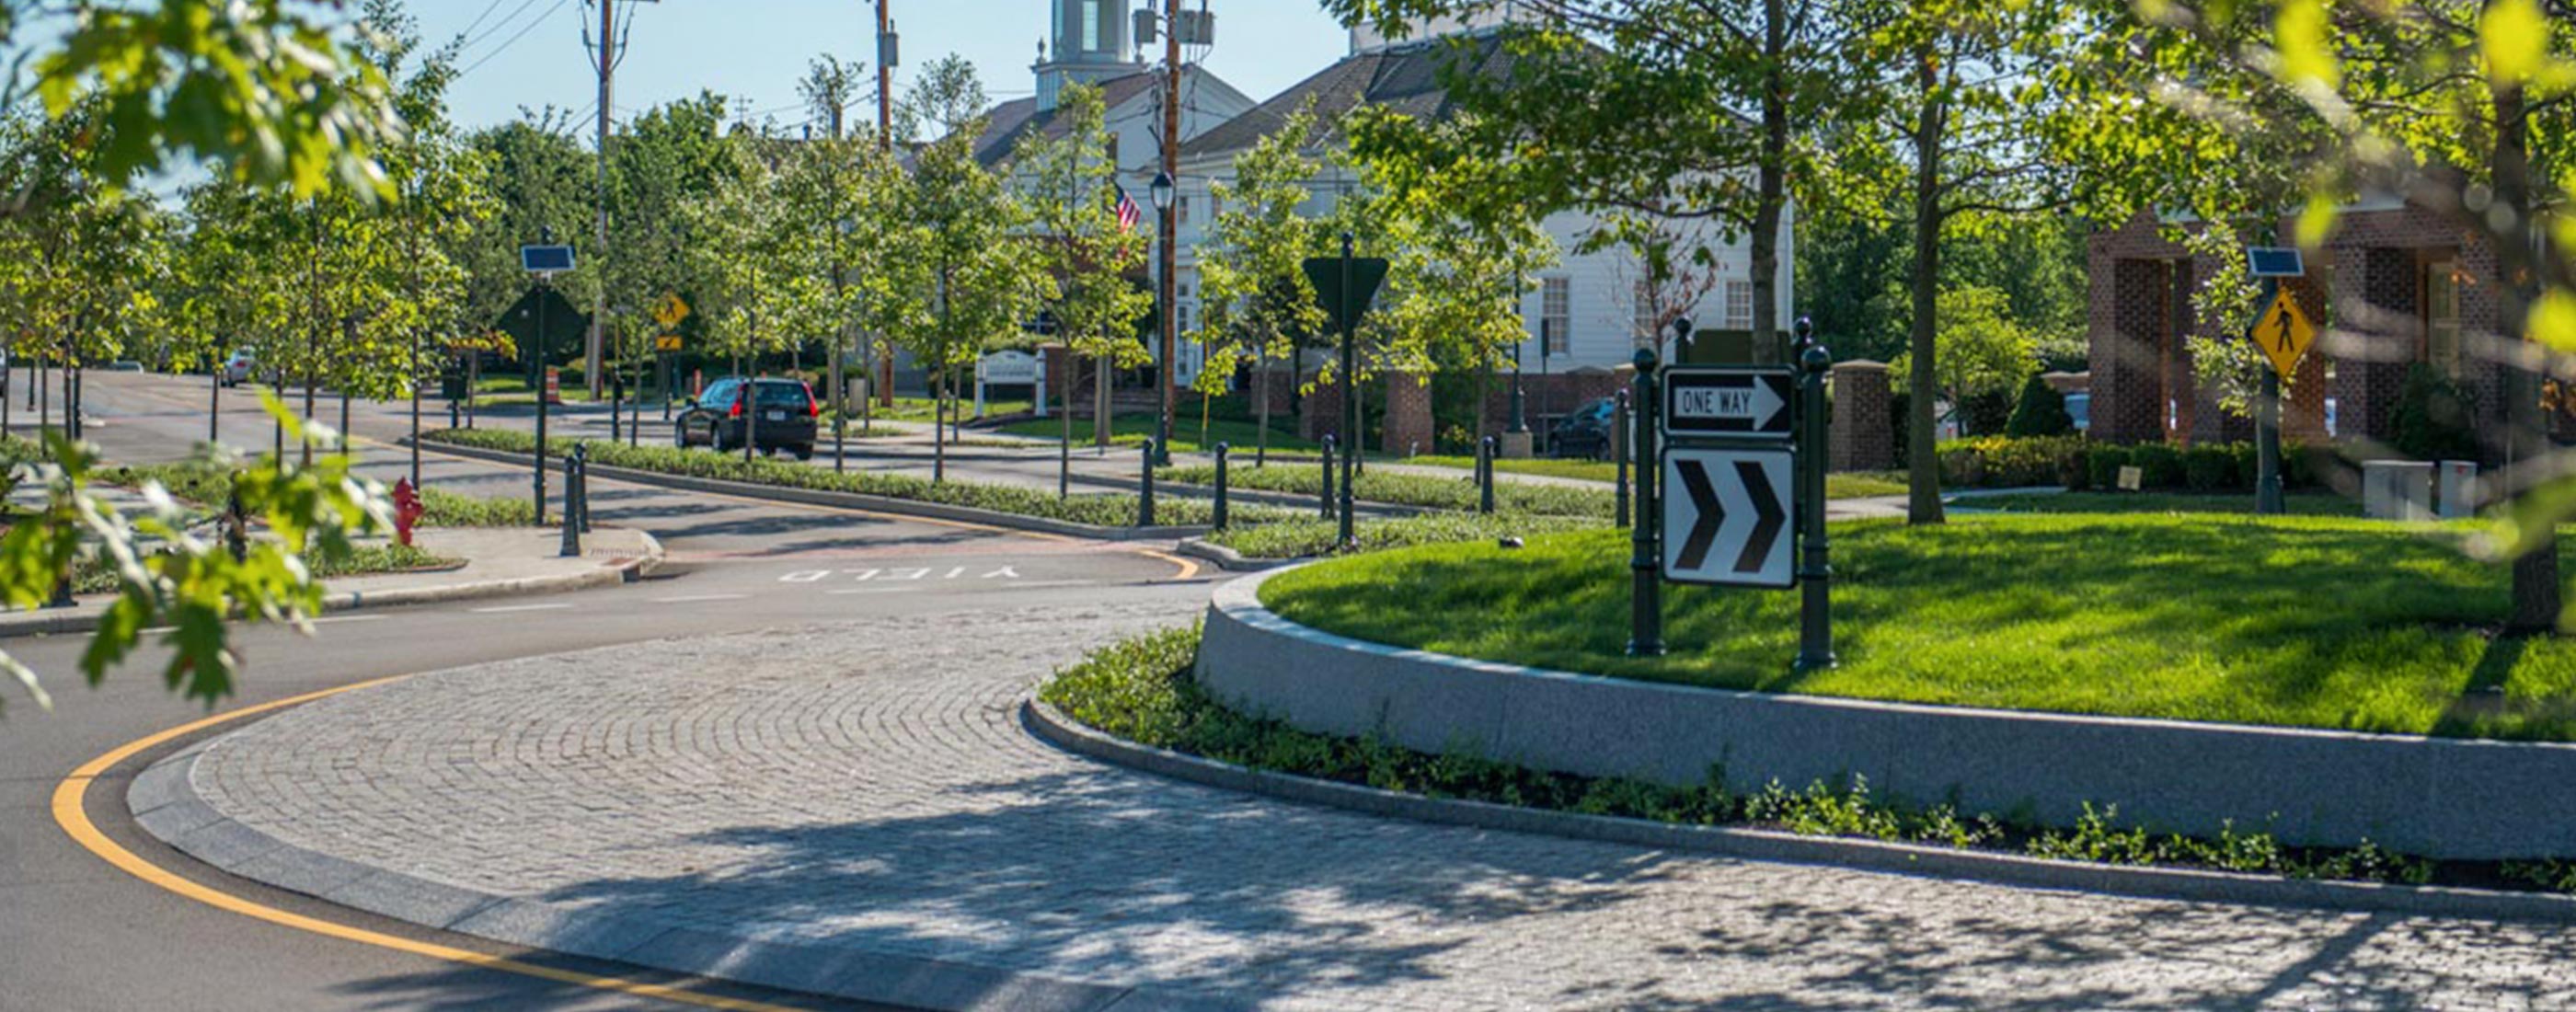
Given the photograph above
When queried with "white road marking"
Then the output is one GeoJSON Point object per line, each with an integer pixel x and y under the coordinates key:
{"type": "Point", "coordinates": [689, 598]}
{"type": "Point", "coordinates": [517, 607]}
{"type": "Point", "coordinates": [1005, 572]}
{"type": "Point", "coordinates": [805, 576]}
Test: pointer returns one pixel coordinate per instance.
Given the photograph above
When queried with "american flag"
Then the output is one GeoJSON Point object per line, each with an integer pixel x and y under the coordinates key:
{"type": "Point", "coordinates": [1128, 213]}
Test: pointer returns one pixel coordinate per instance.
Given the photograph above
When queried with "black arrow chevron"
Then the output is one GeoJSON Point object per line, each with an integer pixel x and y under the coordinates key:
{"type": "Point", "coordinates": [1712, 514]}
{"type": "Point", "coordinates": [1769, 518]}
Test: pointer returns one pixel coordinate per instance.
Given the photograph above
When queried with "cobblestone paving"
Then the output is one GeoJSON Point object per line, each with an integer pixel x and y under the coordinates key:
{"type": "Point", "coordinates": [868, 785]}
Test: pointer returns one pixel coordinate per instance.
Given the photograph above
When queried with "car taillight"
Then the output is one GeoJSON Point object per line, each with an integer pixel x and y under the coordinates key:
{"type": "Point", "coordinates": [813, 407]}
{"type": "Point", "coordinates": [737, 410]}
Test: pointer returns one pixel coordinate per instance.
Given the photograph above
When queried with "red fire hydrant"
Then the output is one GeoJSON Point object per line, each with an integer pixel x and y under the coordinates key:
{"type": "Point", "coordinates": [407, 510]}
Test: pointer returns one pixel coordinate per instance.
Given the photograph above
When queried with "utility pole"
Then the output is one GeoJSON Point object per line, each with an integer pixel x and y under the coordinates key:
{"type": "Point", "coordinates": [886, 56]}
{"type": "Point", "coordinates": [1169, 375]}
{"type": "Point", "coordinates": [607, 54]}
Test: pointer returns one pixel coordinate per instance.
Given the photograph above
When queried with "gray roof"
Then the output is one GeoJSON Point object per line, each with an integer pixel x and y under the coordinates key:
{"type": "Point", "coordinates": [1010, 122]}
{"type": "Point", "coordinates": [1403, 78]}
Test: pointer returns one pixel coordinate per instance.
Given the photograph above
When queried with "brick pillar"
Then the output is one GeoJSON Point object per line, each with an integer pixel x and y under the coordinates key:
{"type": "Point", "coordinates": [2378, 334]}
{"type": "Point", "coordinates": [1408, 414]}
{"type": "Point", "coordinates": [1864, 429]}
{"type": "Point", "coordinates": [1323, 410]}
{"type": "Point", "coordinates": [2125, 319]}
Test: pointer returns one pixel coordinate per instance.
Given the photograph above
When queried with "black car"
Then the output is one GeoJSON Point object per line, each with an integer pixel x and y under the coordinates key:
{"type": "Point", "coordinates": [1585, 433]}
{"type": "Point", "coordinates": [786, 421]}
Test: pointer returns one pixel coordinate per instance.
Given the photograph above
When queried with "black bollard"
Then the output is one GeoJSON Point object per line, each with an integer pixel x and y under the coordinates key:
{"type": "Point", "coordinates": [1645, 563]}
{"type": "Point", "coordinates": [571, 547]}
{"type": "Point", "coordinates": [236, 527]}
{"type": "Point", "coordinates": [1145, 493]}
{"type": "Point", "coordinates": [1218, 521]}
{"type": "Point", "coordinates": [580, 497]}
{"type": "Point", "coordinates": [1485, 452]}
{"type": "Point", "coordinates": [1327, 507]}
{"type": "Point", "coordinates": [1619, 454]}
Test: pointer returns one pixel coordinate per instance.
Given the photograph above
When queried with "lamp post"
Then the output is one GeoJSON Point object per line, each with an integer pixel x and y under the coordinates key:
{"type": "Point", "coordinates": [1682, 339]}
{"type": "Point", "coordinates": [1165, 295]}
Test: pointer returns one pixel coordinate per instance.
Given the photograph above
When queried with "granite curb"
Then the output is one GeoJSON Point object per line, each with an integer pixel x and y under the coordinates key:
{"type": "Point", "coordinates": [1230, 560]}
{"type": "Point", "coordinates": [1052, 726]}
{"type": "Point", "coordinates": [624, 570]}
{"type": "Point", "coordinates": [164, 801]}
{"type": "Point", "coordinates": [842, 500]}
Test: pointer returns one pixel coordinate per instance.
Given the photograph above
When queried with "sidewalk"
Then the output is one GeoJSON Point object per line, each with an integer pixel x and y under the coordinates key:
{"type": "Point", "coordinates": [497, 562]}
{"type": "Point", "coordinates": [855, 810]}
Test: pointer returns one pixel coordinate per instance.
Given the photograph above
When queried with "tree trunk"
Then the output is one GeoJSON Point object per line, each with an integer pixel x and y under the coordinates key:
{"type": "Point", "coordinates": [1100, 402]}
{"type": "Point", "coordinates": [2537, 598]}
{"type": "Point", "coordinates": [1770, 176]}
{"type": "Point", "coordinates": [1923, 463]}
{"type": "Point", "coordinates": [1261, 406]}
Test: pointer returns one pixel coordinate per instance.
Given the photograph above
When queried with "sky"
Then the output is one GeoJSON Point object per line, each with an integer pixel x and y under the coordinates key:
{"type": "Point", "coordinates": [530, 53]}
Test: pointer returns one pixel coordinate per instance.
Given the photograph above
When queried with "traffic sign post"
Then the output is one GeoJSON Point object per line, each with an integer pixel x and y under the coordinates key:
{"type": "Point", "coordinates": [2284, 333]}
{"type": "Point", "coordinates": [1345, 286]}
{"type": "Point", "coordinates": [1742, 496]}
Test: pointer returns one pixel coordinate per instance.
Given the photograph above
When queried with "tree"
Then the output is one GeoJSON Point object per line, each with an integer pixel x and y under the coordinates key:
{"type": "Point", "coordinates": [254, 86]}
{"type": "Point", "coordinates": [1071, 190]}
{"type": "Point", "coordinates": [2041, 411]}
{"type": "Point", "coordinates": [1253, 294]}
{"type": "Point", "coordinates": [753, 286]}
{"type": "Point", "coordinates": [1983, 351]}
{"type": "Point", "coordinates": [839, 193]}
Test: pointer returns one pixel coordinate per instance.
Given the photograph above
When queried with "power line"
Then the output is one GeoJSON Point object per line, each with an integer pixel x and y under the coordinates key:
{"type": "Point", "coordinates": [498, 26]}
{"type": "Point", "coordinates": [478, 19]}
{"type": "Point", "coordinates": [514, 39]}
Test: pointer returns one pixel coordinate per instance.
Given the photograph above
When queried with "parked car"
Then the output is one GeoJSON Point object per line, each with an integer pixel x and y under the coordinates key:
{"type": "Point", "coordinates": [1584, 433]}
{"type": "Point", "coordinates": [237, 369]}
{"type": "Point", "coordinates": [787, 419]}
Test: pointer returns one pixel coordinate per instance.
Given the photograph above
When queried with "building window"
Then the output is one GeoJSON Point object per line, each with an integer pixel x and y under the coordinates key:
{"type": "Point", "coordinates": [1647, 323]}
{"type": "Point", "coordinates": [1182, 206]}
{"type": "Point", "coordinates": [2442, 314]}
{"type": "Point", "coordinates": [1739, 305]}
{"type": "Point", "coordinates": [1090, 26]}
{"type": "Point", "coordinates": [1555, 314]}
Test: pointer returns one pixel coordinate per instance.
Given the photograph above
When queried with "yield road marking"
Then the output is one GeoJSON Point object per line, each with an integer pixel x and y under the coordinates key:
{"type": "Point", "coordinates": [71, 811]}
{"type": "Point", "coordinates": [905, 574]}
{"type": "Point", "coordinates": [517, 607]}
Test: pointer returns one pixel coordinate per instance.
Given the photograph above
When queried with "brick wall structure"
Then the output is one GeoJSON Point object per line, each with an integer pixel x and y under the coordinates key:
{"type": "Point", "coordinates": [2364, 288]}
{"type": "Point", "coordinates": [1863, 436]}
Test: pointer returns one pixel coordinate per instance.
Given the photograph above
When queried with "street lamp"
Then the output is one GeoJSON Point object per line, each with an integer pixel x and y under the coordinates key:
{"type": "Point", "coordinates": [1166, 296]}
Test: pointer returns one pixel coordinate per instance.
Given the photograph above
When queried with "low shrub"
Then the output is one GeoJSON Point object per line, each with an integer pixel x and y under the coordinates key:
{"type": "Point", "coordinates": [2006, 462]}
{"type": "Point", "coordinates": [2208, 468]}
{"type": "Point", "coordinates": [2103, 463]}
{"type": "Point", "coordinates": [1103, 510]}
{"type": "Point", "coordinates": [1427, 491]}
{"type": "Point", "coordinates": [1141, 690]}
{"type": "Point", "coordinates": [2160, 465]}
{"type": "Point", "coordinates": [1297, 539]}
{"type": "Point", "coordinates": [2040, 412]}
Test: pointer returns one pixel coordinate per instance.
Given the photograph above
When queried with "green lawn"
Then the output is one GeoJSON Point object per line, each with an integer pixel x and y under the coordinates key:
{"type": "Point", "coordinates": [2318, 504]}
{"type": "Point", "coordinates": [2305, 621]}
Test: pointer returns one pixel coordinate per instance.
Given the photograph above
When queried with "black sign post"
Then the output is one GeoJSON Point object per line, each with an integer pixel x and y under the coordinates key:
{"type": "Point", "coordinates": [1345, 286]}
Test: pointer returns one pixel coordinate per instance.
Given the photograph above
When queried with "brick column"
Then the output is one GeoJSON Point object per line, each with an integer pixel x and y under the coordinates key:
{"type": "Point", "coordinates": [1408, 414]}
{"type": "Point", "coordinates": [1323, 410]}
{"type": "Point", "coordinates": [1864, 429]}
{"type": "Point", "coordinates": [2377, 335]}
{"type": "Point", "coordinates": [2125, 318]}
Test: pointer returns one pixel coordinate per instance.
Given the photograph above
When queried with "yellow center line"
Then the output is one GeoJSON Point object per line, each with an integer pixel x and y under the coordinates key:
{"type": "Point", "coordinates": [70, 806]}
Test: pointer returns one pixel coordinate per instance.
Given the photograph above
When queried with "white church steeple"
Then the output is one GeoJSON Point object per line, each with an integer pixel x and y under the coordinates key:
{"type": "Point", "coordinates": [1090, 46]}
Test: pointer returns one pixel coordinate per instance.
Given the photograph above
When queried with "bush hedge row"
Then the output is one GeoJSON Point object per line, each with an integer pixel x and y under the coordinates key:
{"type": "Point", "coordinates": [1101, 510]}
{"type": "Point", "coordinates": [2080, 464]}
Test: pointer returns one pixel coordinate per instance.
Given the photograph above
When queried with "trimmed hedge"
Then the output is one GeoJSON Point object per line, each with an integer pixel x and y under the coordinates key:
{"type": "Point", "coordinates": [1101, 510]}
{"type": "Point", "coordinates": [2078, 464]}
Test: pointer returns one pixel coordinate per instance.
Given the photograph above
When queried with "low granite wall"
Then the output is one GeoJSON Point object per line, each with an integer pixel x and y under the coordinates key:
{"type": "Point", "coordinates": [2431, 796]}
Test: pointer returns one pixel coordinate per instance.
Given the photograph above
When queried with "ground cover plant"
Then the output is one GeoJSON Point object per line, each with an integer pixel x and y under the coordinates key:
{"type": "Point", "coordinates": [1116, 509]}
{"type": "Point", "coordinates": [1141, 690]}
{"type": "Point", "coordinates": [1429, 491]}
{"type": "Point", "coordinates": [2320, 504]}
{"type": "Point", "coordinates": [2299, 621]}
{"type": "Point", "coordinates": [1303, 538]}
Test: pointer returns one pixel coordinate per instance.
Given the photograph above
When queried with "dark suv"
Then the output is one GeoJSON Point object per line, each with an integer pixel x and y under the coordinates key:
{"type": "Point", "coordinates": [1585, 433]}
{"type": "Point", "coordinates": [786, 421]}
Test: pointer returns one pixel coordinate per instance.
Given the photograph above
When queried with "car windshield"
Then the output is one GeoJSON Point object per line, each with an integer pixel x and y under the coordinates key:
{"type": "Point", "coordinates": [783, 394]}
{"type": "Point", "coordinates": [719, 395]}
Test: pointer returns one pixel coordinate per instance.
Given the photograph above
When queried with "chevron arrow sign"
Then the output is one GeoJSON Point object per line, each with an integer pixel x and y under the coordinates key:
{"type": "Point", "coordinates": [1729, 516]}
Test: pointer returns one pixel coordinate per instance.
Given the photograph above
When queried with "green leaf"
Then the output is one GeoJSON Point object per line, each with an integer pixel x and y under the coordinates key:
{"type": "Point", "coordinates": [2513, 35]}
{"type": "Point", "coordinates": [2553, 320]}
{"type": "Point", "coordinates": [2300, 36]}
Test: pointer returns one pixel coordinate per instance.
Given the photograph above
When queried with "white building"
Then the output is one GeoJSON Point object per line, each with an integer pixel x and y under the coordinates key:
{"type": "Point", "coordinates": [1589, 302]}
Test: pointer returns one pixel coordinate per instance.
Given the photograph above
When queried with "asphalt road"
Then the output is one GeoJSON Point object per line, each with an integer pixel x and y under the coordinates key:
{"type": "Point", "coordinates": [78, 934]}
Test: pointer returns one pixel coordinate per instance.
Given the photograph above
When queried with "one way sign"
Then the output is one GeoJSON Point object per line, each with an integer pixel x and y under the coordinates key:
{"type": "Point", "coordinates": [1729, 401]}
{"type": "Point", "coordinates": [1730, 517]}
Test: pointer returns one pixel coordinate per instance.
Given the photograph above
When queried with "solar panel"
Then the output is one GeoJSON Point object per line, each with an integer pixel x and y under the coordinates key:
{"type": "Point", "coordinates": [545, 259]}
{"type": "Point", "coordinates": [2274, 262]}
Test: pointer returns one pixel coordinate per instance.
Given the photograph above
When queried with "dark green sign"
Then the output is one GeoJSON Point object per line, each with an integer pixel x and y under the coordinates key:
{"type": "Point", "coordinates": [1346, 304]}
{"type": "Point", "coordinates": [565, 325]}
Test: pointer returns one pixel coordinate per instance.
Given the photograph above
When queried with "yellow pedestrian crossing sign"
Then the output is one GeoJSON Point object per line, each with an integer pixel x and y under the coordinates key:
{"type": "Point", "coordinates": [2284, 333]}
{"type": "Point", "coordinates": [669, 310]}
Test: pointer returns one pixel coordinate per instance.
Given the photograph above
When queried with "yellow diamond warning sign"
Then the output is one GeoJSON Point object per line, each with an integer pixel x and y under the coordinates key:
{"type": "Point", "coordinates": [669, 310]}
{"type": "Point", "coordinates": [2284, 333]}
